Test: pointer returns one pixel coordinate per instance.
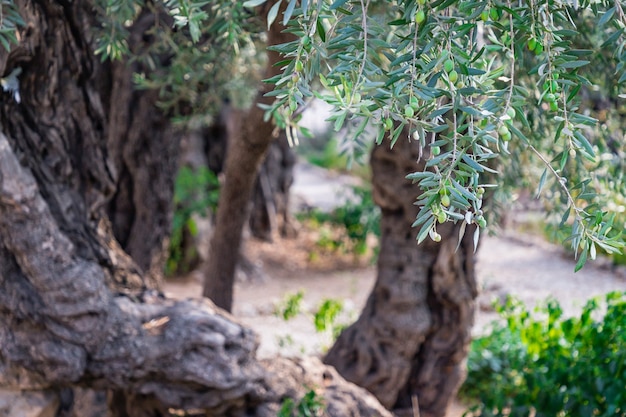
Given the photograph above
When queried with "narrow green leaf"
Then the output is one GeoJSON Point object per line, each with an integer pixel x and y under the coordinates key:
{"type": "Point", "coordinates": [542, 182]}
{"type": "Point", "coordinates": [271, 15]}
{"type": "Point", "coordinates": [606, 16]}
{"type": "Point", "coordinates": [416, 176]}
{"type": "Point", "coordinates": [396, 134]}
{"type": "Point", "coordinates": [473, 164]}
{"type": "Point", "coordinates": [611, 39]}
{"type": "Point", "coordinates": [565, 217]}
{"type": "Point", "coordinates": [581, 261]}
{"type": "Point", "coordinates": [289, 12]}
{"type": "Point", "coordinates": [476, 237]}
{"type": "Point", "coordinates": [253, 3]}
{"type": "Point", "coordinates": [320, 30]}
{"type": "Point", "coordinates": [337, 4]}
{"type": "Point", "coordinates": [592, 251]}
{"type": "Point", "coordinates": [305, 7]}
{"type": "Point", "coordinates": [461, 234]}
{"type": "Point", "coordinates": [424, 230]}
{"type": "Point", "coordinates": [6, 45]}
{"type": "Point", "coordinates": [585, 143]}
{"type": "Point", "coordinates": [339, 121]}
{"type": "Point", "coordinates": [463, 191]}
{"type": "Point", "coordinates": [572, 64]}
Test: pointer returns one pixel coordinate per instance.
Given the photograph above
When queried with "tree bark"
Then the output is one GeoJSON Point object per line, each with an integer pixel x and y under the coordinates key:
{"type": "Point", "coordinates": [270, 215]}
{"type": "Point", "coordinates": [413, 335]}
{"type": "Point", "coordinates": [143, 147]}
{"type": "Point", "coordinates": [249, 138]}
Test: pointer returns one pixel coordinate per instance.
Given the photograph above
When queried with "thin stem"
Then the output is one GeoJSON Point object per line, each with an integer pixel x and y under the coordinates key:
{"type": "Point", "coordinates": [560, 179]}
{"type": "Point", "coordinates": [364, 7]}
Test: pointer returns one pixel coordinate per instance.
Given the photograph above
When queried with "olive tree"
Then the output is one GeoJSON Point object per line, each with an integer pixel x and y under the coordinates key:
{"type": "Point", "coordinates": [454, 88]}
{"type": "Point", "coordinates": [466, 96]}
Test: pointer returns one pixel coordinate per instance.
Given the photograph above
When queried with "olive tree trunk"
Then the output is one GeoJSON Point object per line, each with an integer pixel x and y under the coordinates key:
{"type": "Point", "coordinates": [409, 344]}
{"type": "Point", "coordinates": [76, 310]}
{"type": "Point", "coordinates": [249, 138]}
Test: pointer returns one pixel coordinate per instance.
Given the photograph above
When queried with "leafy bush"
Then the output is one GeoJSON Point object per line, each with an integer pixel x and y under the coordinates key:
{"type": "Point", "coordinates": [196, 192]}
{"type": "Point", "coordinates": [290, 307]}
{"type": "Point", "coordinates": [310, 405]}
{"type": "Point", "coordinates": [325, 318]}
{"type": "Point", "coordinates": [358, 217]}
{"type": "Point", "coordinates": [551, 365]}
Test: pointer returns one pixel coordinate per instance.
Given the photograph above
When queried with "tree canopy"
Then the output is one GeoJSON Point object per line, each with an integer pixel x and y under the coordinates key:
{"type": "Point", "coordinates": [495, 92]}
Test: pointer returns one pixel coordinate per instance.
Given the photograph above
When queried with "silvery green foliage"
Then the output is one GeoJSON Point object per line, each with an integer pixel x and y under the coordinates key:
{"type": "Point", "coordinates": [10, 20]}
{"type": "Point", "coordinates": [468, 80]}
{"type": "Point", "coordinates": [495, 92]}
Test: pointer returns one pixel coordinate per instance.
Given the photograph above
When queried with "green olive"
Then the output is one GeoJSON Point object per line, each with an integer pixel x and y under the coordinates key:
{"type": "Point", "coordinates": [510, 112]}
{"type": "Point", "coordinates": [554, 86]}
{"type": "Point", "coordinates": [445, 200]}
{"type": "Point", "coordinates": [388, 123]}
{"type": "Point", "coordinates": [299, 66]}
{"type": "Point", "coordinates": [532, 44]}
{"type": "Point", "coordinates": [408, 111]}
{"type": "Point", "coordinates": [435, 150]}
{"type": "Point", "coordinates": [442, 217]}
{"type": "Point", "coordinates": [453, 76]}
{"type": "Point", "coordinates": [549, 97]}
{"type": "Point", "coordinates": [554, 106]}
{"type": "Point", "coordinates": [436, 237]}
{"type": "Point", "coordinates": [420, 16]}
{"type": "Point", "coordinates": [448, 65]}
{"type": "Point", "coordinates": [480, 220]}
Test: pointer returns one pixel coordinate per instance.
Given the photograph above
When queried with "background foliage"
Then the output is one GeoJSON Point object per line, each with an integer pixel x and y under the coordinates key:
{"type": "Point", "coordinates": [196, 193]}
{"type": "Point", "coordinates": [551, 365]}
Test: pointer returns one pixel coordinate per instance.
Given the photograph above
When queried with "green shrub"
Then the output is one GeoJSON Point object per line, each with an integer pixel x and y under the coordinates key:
{"type": "Point", "coordinates": [325, 318]}
{"type": "Point", "coordinates": [196, 192]}
{"type": "Point", "coordinates": [290, 307]}
{"type": "Point", "coordinates": [310, 405]}
{"type": "Point", "coordinates": [551, 365]}
{"type": "Point", "coordinates": [358, 217]}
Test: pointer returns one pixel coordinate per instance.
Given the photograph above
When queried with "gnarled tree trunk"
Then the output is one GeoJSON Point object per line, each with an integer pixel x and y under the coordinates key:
{"type": "Point", "coordinates": [75, 309]}
{"type": "Point", "coordinates": [412, 337]}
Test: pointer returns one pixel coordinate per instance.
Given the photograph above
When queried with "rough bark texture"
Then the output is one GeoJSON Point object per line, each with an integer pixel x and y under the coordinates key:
{"type": "Point", "coordinates": [412, 337]}
{"type": "Point", "coordinates": [143, 148]}
{"type": "Point", "coordinates": [249, 138]}
{"type": "Point", "coordinates": [270, 215]}
{"type": "Point", "coordinates": [75, 309]}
